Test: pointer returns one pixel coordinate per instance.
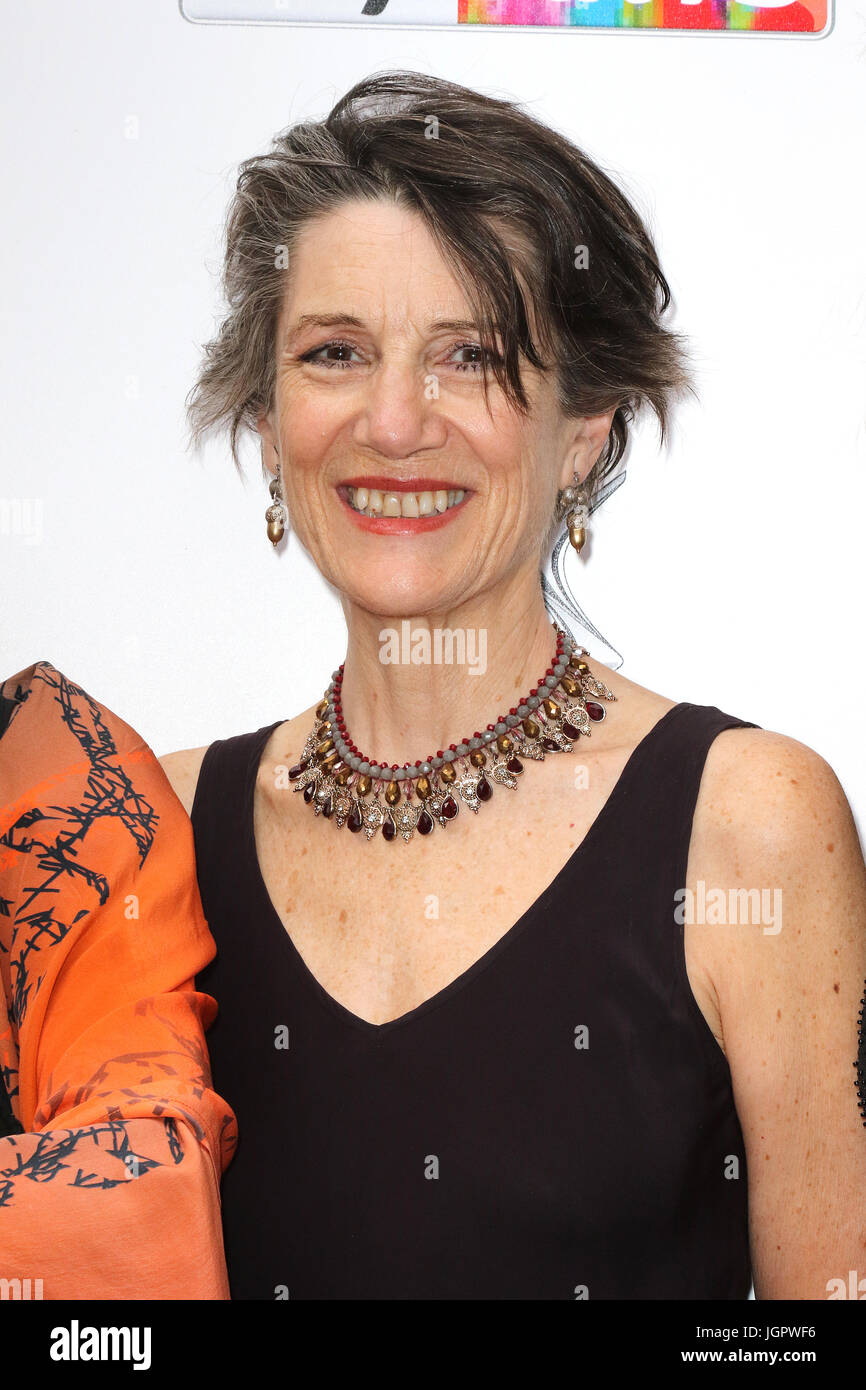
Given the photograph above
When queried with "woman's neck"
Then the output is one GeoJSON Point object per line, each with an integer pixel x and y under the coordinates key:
{"type": "Point", "coordinates": [412, 686]}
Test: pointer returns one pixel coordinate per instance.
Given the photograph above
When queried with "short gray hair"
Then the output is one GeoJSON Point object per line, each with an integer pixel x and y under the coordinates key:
{"type": "Point", "coordinates": [493, 178]}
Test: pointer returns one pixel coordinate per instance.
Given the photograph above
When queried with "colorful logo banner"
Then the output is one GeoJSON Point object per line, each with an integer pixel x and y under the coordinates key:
{"type": "Point", "coordinates": [803, 17]}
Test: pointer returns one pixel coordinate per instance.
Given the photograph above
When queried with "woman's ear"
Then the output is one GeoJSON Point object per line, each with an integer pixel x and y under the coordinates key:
{"type": "Point", "coordinates": [270, 449]}
{"type": "Point", "coordinates": [585, 442]}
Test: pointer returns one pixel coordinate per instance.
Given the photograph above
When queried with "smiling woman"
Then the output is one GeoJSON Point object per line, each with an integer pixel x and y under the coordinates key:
{"type": "Point", "coordinates": [506, 1062]}
{"type": "Point", "coordinates": [478, 1044]}
{"type": "Point", "coordinates": [543, 257]}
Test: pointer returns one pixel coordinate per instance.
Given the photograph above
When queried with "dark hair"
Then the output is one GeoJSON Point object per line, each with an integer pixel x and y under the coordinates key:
{"type": "Point", "coordinates": [510, 203]}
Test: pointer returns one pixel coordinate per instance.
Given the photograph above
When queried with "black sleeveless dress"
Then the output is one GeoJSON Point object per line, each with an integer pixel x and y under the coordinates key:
{"type": "Point", "coordinates": [556, 1123]}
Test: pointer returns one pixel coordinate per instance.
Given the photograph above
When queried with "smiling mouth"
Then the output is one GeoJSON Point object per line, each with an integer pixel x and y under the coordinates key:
{"type": "Point", "coordinates": [398, 502]}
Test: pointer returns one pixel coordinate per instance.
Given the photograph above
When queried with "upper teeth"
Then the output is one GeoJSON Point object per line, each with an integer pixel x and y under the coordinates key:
{"type": "Point", "coordinates": [375, 503]}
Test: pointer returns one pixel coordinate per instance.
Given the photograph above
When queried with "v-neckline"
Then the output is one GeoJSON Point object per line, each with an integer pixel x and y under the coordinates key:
{"type": "Point", "coordinates": [478, 966]}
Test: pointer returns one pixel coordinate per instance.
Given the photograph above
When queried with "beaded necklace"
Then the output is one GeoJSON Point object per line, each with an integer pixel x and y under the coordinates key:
{"type": "Point", "coordinates": [345, 785]}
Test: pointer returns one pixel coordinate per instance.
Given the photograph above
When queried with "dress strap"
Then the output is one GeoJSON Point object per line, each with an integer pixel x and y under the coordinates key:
{"type": "Point", "coordinates": [644, 857]}
{"type": "Point", "coordinates": [221, 809]}
{"type": "Point", "coordinates": [673, 771]}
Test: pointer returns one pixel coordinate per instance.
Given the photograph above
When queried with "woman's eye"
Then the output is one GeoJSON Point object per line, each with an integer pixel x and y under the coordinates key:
{"type": "Point", "coordinates": [465, 357]}
{"type": "Point", "coordinates": [336, 355]}
{"type": "Point", "coordinates": [474, 360]}
{"type": "Point", "coordinates": [477, 357]}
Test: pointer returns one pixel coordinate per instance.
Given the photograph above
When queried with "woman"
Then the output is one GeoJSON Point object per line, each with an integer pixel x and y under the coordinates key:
{"type": "Point", "coordinates": [531, 984]}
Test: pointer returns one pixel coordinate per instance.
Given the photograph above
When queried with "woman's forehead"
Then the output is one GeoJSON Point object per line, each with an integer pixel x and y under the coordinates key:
{"type": "Point", "coordinates": [371, 263]}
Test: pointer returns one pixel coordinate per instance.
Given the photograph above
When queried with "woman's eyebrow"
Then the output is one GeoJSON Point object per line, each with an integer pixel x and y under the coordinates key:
{"type": "Point", "coordinates": [322, 321]}
{"type": "Point", "coordinates": [454, 325]}
{"type": "Point", "coordinates": [317, 320]}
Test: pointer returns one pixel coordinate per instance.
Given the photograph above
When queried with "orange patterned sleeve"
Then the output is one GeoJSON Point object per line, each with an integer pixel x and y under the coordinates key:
{"type": "Point", "coordinates": [112, 1140]}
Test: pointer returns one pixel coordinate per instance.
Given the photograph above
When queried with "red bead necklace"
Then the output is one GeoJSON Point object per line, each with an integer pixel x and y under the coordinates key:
{"type": "Point", "coordinates": [344, 785]}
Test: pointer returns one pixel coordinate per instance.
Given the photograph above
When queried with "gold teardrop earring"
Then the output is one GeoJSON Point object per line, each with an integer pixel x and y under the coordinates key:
{"type": "Point", "coordinates": [574, 501]}
{"type": "Point", "coordinates": [277, 515]}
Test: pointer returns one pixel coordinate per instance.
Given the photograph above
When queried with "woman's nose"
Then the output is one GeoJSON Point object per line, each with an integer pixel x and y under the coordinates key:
{"type": "Point", "coordinates": [400, 413]}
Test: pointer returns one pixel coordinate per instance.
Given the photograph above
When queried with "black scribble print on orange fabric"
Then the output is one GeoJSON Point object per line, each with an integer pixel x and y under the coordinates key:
{"type": "Point", "coordinates": [8, 1088]}
{"type": "Point", "coordinates": [53, 836]}
{"type": "Point", "coordinates": [151, 1065]}
{"type": "Point", "coordinates": [62, 1154]}
{"type": "Point", "coordinates": [52, 841]}
{"type": "Point", "coordinates": [9, 706]}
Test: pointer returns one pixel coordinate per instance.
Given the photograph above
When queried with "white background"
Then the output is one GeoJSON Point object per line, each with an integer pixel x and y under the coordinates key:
{"type": "Point", "coordinates": [727, 569]}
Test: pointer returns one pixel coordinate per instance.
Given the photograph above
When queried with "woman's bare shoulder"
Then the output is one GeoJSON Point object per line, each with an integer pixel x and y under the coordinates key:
{"type": "Point", "coordinates": [772, 811]}
{"type": "Point", "coordinates": [765, 783]}
{"type": "Point", "coordinates": [182, 767]}
{"type": "Point", "coordinates": [757, 784]}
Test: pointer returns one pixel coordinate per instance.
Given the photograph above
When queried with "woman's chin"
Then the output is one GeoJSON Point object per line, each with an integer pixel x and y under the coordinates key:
{"type": "Point", "coordinates": [397, 595]}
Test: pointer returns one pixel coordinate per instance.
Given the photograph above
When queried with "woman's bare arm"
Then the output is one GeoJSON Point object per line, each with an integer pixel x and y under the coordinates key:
{"type": "Point", "coordinates": [789, 990]}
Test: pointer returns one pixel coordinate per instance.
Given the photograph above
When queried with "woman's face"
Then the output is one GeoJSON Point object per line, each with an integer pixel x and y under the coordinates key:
{"type": "Point", "coordinates": [378, 386]}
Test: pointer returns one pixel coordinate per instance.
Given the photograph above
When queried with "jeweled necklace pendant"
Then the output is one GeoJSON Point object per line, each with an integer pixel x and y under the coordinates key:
{"type": "Point", "coordinates": [344, 786]}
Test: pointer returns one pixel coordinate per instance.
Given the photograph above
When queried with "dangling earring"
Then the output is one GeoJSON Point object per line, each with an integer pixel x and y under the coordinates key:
{"type": "Point", "coordinates": [277, 515]}
{"type": "Point", "coordinates": [575, 501]}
